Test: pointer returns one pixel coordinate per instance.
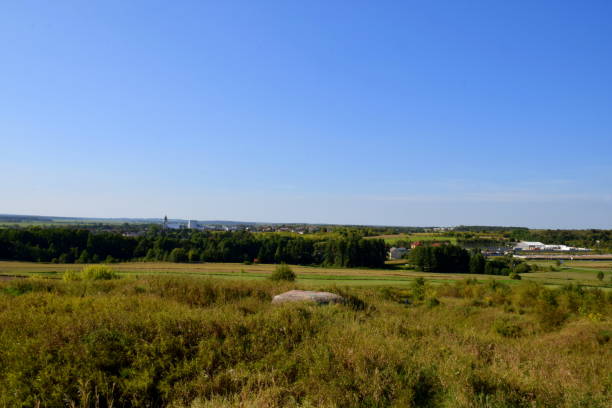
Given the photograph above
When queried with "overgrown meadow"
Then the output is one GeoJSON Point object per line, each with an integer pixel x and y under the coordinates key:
{"type": "Point", "coordinates": [99, 341]}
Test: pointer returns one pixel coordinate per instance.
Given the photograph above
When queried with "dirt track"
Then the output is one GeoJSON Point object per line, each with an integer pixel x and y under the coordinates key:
{"type": "Point", "coordinates": [11, 277]}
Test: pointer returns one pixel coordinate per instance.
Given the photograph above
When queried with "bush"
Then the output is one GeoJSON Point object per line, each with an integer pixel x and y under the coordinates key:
{"type": "Point", "coordinates": [71, 276]}
{"type": "Point", "coordinates": [92, 272]}
{"type": "Point", "coordinates": [600, 275]}
{"type": "Point", "coordinates": [432, 302]}
{"type": "Point", "coordinates": [418, 289]}
{"type": "Point", "coordinates": [507, 328]}
{"type": "Point", "coordinates": [283, 272]}
{"type": "Point", "coordinates": [548, 312]}
{"type": "Point", "coordinates": [522, 268]}
{"type": "Point", "coordinates": [98, 272]}
{"type": "Point", "coordinates": [515, 275]}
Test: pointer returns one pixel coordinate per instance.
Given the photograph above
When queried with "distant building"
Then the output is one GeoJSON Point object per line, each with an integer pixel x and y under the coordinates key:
{"type": "Point", "coordinates": [539, 246]}
{"type": "Point", "coordinates": [397, 253]}
{"type": "Point", "coordinates": [529, 246]}
{"type": "Point", "coordinates": [191, 224]}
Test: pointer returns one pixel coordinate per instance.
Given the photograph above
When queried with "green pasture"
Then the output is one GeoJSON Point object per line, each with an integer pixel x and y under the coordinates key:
{"type": "Point", "coordinates": [394, 275]}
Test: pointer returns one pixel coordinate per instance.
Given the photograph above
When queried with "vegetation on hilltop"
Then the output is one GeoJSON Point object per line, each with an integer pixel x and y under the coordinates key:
{"type": "Point", "coordinates": [185, 342]}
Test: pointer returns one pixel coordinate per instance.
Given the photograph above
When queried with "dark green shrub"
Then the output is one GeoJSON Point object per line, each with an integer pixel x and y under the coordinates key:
{"type": "Point", "coordinates": [515, 276]}
{"type": "Point", "coordinates": [603, 336]}
{"type": "Point", "coordinates": [283, 272]}
{"type": "Point", "coordinates": [108, 350]}
{"type": "Point", "coordinates": [522, 268]}
{"type": "Point", "coordinates": [506, 328]}
{"type": "Point", "coordinates": [548, 312]}
{"type": "Point", "coordinates": [418, 289]}
{"type": "Point", "coordinates": [432, 302]}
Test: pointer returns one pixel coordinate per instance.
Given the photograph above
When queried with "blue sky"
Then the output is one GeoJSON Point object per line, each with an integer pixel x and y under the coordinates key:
{"type": "Point", "coordinates": [377, 112]}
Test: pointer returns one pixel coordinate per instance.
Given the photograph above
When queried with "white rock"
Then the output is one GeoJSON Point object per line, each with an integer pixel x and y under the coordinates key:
{"type": "Point", "coordinates": [307, 296]}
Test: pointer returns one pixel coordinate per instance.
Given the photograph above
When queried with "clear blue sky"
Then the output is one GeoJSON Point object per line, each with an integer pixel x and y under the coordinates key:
{"type": "Point", "coordinates": [377, 112]}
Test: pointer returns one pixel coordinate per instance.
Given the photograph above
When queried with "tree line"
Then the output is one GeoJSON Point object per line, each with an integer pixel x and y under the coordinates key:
{"type": "Point", "coordinates": [454, 259]}
{"type": "Point", "coordinates": [68, 245]}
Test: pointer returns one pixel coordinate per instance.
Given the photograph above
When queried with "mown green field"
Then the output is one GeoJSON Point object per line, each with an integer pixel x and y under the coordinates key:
{"type": "Point", "coordinates": [581, 272]}
{"type": "Point", "coordinates": [305, 275]}
{"type": "Point", "coordinates": [578, 272]}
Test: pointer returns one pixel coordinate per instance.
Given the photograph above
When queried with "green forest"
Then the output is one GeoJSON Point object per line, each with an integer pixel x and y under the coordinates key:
{"type": "Point", "coordinates": [69, 245]}
{"type": "Point", "coordinates": [454, 259]}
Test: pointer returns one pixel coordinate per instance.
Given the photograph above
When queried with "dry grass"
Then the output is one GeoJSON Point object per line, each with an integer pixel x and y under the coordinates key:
{"type": "Point", "coordinates": [191, 342]}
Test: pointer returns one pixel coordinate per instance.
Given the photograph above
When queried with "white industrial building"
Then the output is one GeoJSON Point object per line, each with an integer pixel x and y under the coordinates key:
{"type": "Point", "coordinates": [539, 246]}
{"type": "Point", "coordinates": [529, 246]}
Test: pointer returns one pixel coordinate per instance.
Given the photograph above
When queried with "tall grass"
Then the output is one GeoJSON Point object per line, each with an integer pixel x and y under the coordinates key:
{"type": "Point", "coordinates": [189, 342]}
{"type": "Point", "coordinates": [91, 272]}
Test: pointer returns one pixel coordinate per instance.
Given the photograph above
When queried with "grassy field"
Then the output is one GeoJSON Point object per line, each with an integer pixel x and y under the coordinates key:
{"type": "Point", "coordinates": [582, 272]}
{"type": "Point", "coordinates": [305, 275]}
{"type": "Point", "coordinates": [183, 341]}
{"type": "Point", "coordinates": [417, 236]}
{"type": "Point", "coordinates": [578, 272]}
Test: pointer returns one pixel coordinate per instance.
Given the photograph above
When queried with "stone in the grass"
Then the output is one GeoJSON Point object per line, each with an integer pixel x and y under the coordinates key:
{"type": "Point", "coordinates": [321, 298]}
